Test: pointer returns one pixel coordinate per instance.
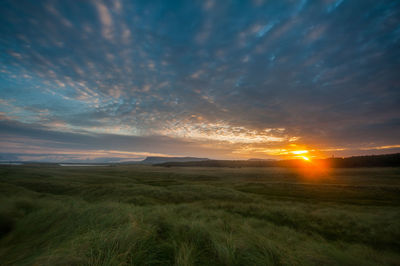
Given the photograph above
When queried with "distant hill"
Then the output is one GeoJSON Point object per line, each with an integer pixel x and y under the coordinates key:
{"type": "Point", "coordinates": [159, 160]}
{"type": "Point", "coordinates": [386, 160]}
{"type": "Point", "coordinates": [258, 159]}
{"type": "Point", "coordinates": [222, 163]}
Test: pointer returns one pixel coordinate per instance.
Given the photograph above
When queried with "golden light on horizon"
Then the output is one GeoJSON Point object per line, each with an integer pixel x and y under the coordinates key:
{"type": "Point", "coordinates": [305, 158]}
{"type": "Point", "coordinates": [312, 168]}
{"type": "Point", "coordinates": [300, 152]}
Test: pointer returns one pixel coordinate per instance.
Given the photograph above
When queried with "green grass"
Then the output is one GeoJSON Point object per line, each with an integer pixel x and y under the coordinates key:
{"type": "Point", "coordinates": [142, 215]}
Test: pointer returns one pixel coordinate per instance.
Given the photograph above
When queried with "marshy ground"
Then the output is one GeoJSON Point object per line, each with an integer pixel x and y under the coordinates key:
{"type": "Point", "coordinates": [144, 215]}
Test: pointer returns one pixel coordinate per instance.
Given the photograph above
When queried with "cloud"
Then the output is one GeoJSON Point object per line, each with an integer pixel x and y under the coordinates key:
{"type": "Point", "coordinates": [21, 138]}
{"type": "Point", "coordinates": [105, 19]}
{"type": "Point", "coordinates": [138, 68]}
{"type": "Point", "coordinates": [223, 132]}
{"type": "Point", "coordinates": [335, 5]}
{"type": "Point", "coordinates": [265, 29]}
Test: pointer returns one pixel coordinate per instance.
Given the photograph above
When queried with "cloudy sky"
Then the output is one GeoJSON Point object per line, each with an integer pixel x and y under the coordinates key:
{"type": "Point", "coordinates": [121, 80]}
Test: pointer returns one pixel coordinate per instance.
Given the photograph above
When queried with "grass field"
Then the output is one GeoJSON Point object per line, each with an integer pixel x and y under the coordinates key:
{"type": "Point", "coordinates": [144, 215]}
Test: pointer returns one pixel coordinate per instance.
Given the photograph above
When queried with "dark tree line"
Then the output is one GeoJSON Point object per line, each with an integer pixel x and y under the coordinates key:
{"type": "Point", "coordinates": [386, 160]}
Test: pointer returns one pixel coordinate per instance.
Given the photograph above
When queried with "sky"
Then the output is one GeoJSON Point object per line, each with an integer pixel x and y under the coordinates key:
{"type": "Point", "coordinates": [95, 81]}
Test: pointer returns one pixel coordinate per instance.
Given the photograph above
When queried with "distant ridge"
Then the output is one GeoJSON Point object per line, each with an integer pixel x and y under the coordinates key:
{"type": "Point", "coordinates": [160, 159]}
{"type": "Point", "coordinates": [259, 159]}
{"type": "Point", "coordinates": [385, 160]}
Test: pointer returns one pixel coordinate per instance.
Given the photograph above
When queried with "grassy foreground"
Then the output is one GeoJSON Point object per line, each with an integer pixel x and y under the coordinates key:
{"type": "Point", "coordinates": [143, 215]}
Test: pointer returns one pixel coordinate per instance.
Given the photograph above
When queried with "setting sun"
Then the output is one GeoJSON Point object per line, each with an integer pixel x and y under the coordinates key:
{"type": "Point", "coordinates": [206, 132]}
{"type": "Point", "coordinates": [305, 158]}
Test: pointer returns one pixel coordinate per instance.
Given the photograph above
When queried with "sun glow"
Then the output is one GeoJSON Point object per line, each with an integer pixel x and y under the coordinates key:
{"type": "Point", "coordinates": [305, 158]}
{"type": "Point", "coordinates": [312, 169]}
{"type": "Point", "coordinates": [299, 152]}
